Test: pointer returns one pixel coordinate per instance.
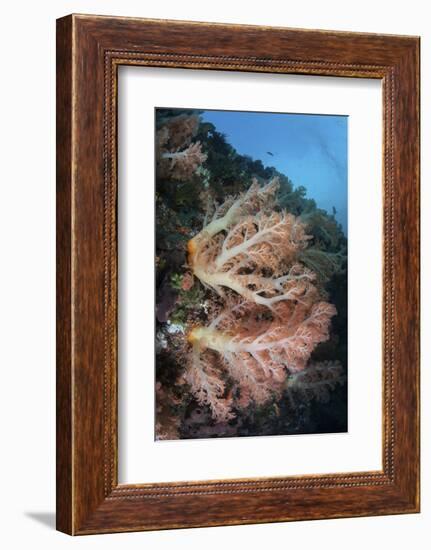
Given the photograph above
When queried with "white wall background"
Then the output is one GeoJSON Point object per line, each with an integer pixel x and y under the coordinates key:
{"type": "Point", "coordinates": [27, 280]}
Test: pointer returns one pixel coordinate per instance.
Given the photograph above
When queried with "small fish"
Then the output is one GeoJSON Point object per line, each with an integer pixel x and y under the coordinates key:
{"type": "Point", "coordinates": [269, 153]}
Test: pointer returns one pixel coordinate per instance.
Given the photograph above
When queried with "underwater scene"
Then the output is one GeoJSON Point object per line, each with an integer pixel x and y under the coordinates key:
{"type": "Point", "coordinates": [250, 273]}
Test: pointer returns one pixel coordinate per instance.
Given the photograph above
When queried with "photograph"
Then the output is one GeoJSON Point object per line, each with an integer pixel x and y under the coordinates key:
{"type": "Point", "coordinates": [212, 315]}
{"type": "Point", "coordinates": [251, 273]}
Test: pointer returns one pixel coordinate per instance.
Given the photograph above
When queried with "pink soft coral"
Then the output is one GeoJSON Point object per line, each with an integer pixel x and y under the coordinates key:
{"type": "Point", "coordinates": [255, 199]}
{"type": "Point", "coordinates": [177, 157]}
{"type": "Point", "coordinates": [207, 385]}
{"type": "Point", "coordinates": [255, 349]}
{"type": "Point", "coordinates": [273, 315]}
{"type": "Point", "coordinates": [256, 258]}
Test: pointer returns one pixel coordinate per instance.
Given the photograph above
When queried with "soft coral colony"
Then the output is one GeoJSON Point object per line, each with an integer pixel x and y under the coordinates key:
{"type": "Point", "coordinates": [177, 156]}
{"type": "Point", "coordinates": [273, 316]}
{"type": "Point", "coordinates": [265, 311]}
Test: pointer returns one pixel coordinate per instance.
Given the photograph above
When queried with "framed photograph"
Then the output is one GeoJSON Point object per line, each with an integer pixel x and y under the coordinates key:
{"type": "Point", "coordinates": [237, 274]}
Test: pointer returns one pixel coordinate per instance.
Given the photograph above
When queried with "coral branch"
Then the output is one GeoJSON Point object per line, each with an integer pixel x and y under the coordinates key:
{"type": "Point", "coordinates": [255, 199]}
{"type": "Point", "coordinates": [256, 258]}
{"type": "Point", "coordinates": [208, 386]}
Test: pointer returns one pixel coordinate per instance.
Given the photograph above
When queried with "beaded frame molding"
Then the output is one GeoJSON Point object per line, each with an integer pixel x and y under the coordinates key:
{"type": "Point", "coordinates": [89, 51]}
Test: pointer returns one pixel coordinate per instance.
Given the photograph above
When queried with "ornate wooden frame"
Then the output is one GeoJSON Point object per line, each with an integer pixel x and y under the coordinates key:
{"type": "Point", "coordinates": [89, 51]}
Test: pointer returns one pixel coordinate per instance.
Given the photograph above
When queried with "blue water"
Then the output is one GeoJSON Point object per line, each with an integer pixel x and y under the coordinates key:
{"type": "Point", "coordinates": [310, 149]}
